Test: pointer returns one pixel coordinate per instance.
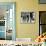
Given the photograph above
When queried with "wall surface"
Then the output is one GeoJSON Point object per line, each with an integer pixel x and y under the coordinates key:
{"type": "Point", "coordinates": [27, 30]}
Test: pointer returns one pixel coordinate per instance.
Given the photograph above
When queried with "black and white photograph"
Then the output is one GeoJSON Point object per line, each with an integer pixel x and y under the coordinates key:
{"type": "Point", "coordinates": [27, 17]}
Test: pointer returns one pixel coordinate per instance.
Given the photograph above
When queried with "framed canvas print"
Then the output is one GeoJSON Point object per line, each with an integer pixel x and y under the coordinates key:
{"type": "Point", "coordinates": [7, 20]}
{"type": "Point", "coordinates": [42, 1]}
{"type": "Point", "coordinates": [27, 17]}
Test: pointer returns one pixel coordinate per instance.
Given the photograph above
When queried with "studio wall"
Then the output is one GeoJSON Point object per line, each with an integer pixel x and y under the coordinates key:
{"type": "Point", "coordinates": [27, 30]}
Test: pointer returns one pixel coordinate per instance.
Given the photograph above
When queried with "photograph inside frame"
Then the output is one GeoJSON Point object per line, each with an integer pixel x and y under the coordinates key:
{"type": "Point", "coordinates": [27, 17]}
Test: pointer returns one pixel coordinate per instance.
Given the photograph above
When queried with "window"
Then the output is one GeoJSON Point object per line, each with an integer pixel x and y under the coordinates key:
{"type": "Point", "coordinates": [42, 22]}
{"type": "Point", "coordinates": [7, 21]}
{"type": "Point", "coordinates": [42, 1]}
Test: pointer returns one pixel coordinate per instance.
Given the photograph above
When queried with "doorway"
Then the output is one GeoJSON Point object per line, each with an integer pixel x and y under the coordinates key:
{"type": "Point", "coordinates": [7, 21]}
